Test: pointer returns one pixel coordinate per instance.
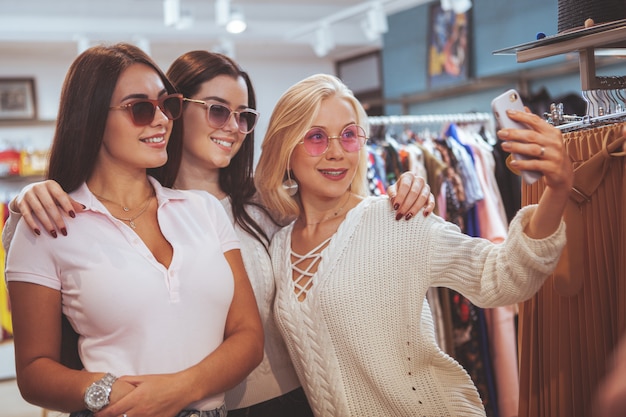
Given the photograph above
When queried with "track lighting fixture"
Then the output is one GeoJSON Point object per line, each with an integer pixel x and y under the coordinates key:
{"type": "Point", "coordinates": [323, 41]}
{"type": "Point", "coordinates": [457, 6]}
{"type": "Point", "coordinates": [171, 12]}
{"type": "Point", "coordinates": [375, 22]}
{"type": "Point", "coordinates": [236, 22]}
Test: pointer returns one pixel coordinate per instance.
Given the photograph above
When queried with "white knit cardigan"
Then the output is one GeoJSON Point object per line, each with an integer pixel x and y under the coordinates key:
{"type": "Point", "coordinates": [275, 375]}
{"type": "Point", "coordinates": [363, 342]}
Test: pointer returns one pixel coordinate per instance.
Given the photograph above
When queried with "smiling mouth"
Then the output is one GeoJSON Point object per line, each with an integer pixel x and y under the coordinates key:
{"type": "Point", "coordinates": [222, 143]}
{"type": "Point", "coordinates": [158, 139]}
{"type": "Point", "coordinates": [332, 173]}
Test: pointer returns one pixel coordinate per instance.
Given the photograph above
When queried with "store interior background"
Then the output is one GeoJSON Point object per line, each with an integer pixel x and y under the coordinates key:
{"type": "Point", "coordinates": [396, 84]}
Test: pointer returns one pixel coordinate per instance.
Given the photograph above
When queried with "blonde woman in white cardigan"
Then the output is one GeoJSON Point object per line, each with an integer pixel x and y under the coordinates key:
{"type": "Point", "coordinates": [351, 282]}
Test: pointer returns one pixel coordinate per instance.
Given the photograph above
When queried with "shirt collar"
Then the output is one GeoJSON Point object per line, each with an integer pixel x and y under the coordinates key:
{"type": "Point", "coordinates": [84, 196]}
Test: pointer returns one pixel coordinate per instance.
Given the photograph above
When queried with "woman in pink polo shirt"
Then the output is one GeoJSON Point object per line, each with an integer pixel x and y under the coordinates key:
{"type": "Point", "coordinates": [151, 278]}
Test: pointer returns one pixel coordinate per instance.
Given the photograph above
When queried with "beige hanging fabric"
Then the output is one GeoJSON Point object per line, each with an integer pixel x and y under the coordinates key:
{"type": "Point", "coordinates": [568, 330]}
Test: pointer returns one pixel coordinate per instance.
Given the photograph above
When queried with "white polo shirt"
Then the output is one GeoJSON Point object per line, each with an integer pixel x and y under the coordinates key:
{"type": "Point", "coordinates": [135, 316]}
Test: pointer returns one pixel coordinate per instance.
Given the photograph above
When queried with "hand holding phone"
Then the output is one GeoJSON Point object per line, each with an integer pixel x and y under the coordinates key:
{"type": "Point", "coordinates": [510, 100]}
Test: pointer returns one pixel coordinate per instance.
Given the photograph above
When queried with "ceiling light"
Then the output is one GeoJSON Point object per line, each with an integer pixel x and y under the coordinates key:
{"type": "Point", "coordinates": [323, 41]}
{"type": "Point", "coordinates": [375, 22]}
{"type": "Point", "coordinates": [237, 22]}
{"type": "Point", "coordinates": [458, 6]}
{"type": "Point", "coordinates": [222, 12]}
{"type": "Point", "coordinates": [461, 6]}
{"type": "Point", "coordinates": [171, 12]}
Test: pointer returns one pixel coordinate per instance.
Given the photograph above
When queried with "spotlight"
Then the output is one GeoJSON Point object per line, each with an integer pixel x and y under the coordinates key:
{"type": "Point", "coordinates": [323, 41]}
{"type": "Point", "coordinates": [457, 6]}
{"type": "Point", "coordinates": [237, 22]}
{"type": "Point", "coordinates": [375, 22]}
{"type": "Point", "coordinates": [171, 12]}
{"type": "Point", "coordinates": [222, 12]}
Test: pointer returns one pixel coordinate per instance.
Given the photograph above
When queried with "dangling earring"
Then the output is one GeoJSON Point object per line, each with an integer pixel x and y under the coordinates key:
{"type": "Point", "coordinates": [290, 186]}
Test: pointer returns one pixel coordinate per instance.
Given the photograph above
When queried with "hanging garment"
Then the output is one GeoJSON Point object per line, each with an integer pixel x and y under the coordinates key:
{"type": "Point", "coordinates": [568, 330]}
{"type": "Point", "coordinates": [6, 328]}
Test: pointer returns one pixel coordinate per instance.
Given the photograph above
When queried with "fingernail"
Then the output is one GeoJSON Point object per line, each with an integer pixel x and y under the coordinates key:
{"type": "Point", "coordinates": [84, 206]}
{"type": "Point", "coordinates": [408, 216]}
{"type": "Point", "coordinates": [426, 213]}
{"type": "Point", "coordinates": [72, 214]}
{"type": "Point", "coordinates": [53, 233]}
{"type": "Point", "coordinates": [38, 232]}
{"type": "Point", "coordinates": [503, 134]}
{"type": "Point", "coordinates": [64, 231]}
{"type": "Point", "coordinates": [511, 111]}
{"type": "Point", "coordinates": [396, 206]}
{"type": "Point", "coordinates": [399, 216]}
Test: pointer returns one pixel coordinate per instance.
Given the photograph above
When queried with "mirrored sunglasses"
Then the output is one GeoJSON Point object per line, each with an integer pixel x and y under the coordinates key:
{"type": "Point", "coordinates": [316, 142]}
{"type": "Point", "coordinates": [218, 115]}
{"type": "Point", "coordinates": [142, 111]}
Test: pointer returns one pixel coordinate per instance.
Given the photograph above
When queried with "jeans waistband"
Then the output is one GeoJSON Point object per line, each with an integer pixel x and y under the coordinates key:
{"type": "Point", "coordinates": [218, 412]}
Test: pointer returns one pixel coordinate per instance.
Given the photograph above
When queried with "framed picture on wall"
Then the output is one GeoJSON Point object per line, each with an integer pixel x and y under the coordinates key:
{"type": "Point", "coordinates": [448, 47]}
{"type": "Point", "coordinates": [17, 99]}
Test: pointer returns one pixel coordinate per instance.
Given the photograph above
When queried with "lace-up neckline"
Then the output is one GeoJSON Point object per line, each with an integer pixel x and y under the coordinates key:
{"type": "Point", "coordinates": [303, 276]}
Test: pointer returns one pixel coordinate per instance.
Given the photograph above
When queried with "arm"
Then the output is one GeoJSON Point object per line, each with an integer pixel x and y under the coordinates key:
{"type": "Point", "coordinates": [44, 201]}
{"type": "Point", "coordinates": [41, 378]}
{"type": "Point", "coordinates": [544, 144]}
{"type": "Point", "coordinates": [240, 352]}
{"type": "Point", "coordinates": [409, 194]}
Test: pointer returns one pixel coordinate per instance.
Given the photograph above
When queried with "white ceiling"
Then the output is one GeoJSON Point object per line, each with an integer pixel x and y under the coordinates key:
{"type": "Point", "coordinates": [276, 28]}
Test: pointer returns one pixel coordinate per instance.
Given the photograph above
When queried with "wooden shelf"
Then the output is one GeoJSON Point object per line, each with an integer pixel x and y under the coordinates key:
{"type": "Point", "coordinates": [585, 41]}
{"type": "Point", "coordinates": [26, 122]}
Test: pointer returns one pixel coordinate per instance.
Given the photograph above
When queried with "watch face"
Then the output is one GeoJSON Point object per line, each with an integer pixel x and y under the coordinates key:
{"type": "Point", "coordinates": [97, 397]}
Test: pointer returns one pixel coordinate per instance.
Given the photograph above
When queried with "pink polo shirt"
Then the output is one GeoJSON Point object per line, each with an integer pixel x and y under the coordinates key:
{"type": "Point", "coordinates": [135, 316]}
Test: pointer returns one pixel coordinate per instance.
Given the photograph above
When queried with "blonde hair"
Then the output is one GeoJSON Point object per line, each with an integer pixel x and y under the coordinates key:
{"type": "Point", "coordinates": [292, 117]}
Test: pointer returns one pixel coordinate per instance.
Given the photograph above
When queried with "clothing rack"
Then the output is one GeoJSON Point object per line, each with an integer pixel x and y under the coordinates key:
{"type": "Point", "coordinates": [588, 122]}
{"type": "Point", "coordinates": [430, 119]}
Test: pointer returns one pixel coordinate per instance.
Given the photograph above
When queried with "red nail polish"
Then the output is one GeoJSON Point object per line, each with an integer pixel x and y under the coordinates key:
{"type": "Point", "coordinates": [396, 206]}
{"type": "Point", "coordinates": [72, 214]}
{"type": "Point", "coordinates": [408, 216]}
{"type": "Point", "coordinates": [53, 233]}
{"type": "Point", "coordinates": [399, 216]}
{"type": "Point", "coordinates": [38, 232]}
{"type": "Point", "coordinates": [64, 231]}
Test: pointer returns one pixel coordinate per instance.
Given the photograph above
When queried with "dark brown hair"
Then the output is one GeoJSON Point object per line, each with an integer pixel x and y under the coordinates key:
{"type": "Point", "coordinates": [83, 111]}
{"type": "Point", "coordinates": [187, 73]}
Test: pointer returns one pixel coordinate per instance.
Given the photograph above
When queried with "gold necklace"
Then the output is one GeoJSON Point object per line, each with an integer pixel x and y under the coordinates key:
{"type": "Point", "coordinates": [130, 220]}
{"type": "Point", "coordinates": [335, 213]}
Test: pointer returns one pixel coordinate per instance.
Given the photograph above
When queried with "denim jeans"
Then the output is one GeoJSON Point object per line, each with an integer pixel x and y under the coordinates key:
{"type": "Point", "coordinates": [291, 404]}
{"type": "Point", "coordinates": [218, 412]}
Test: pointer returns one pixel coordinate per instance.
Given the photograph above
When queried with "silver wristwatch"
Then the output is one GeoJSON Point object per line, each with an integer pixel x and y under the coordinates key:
{"type": "Point", "coordinates": [97, 395]}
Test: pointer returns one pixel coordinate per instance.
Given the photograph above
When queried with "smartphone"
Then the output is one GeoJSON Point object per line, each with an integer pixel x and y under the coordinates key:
{"type": "Point", "coordinates": [510, 100]}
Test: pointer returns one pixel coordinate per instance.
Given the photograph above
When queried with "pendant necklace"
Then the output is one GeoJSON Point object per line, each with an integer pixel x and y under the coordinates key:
{"type": "Point", "coordinates": [335, 213]}
{"type": "Point", "coordinates": [130, 220]}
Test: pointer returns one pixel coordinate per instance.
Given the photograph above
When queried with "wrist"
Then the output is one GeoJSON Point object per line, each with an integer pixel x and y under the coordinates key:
{"type": "Point", "coordinates": [98, 394]}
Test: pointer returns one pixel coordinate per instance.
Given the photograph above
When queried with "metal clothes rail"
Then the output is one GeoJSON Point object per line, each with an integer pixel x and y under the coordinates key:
{"type": "Point", "coordinates": [430, 119]}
